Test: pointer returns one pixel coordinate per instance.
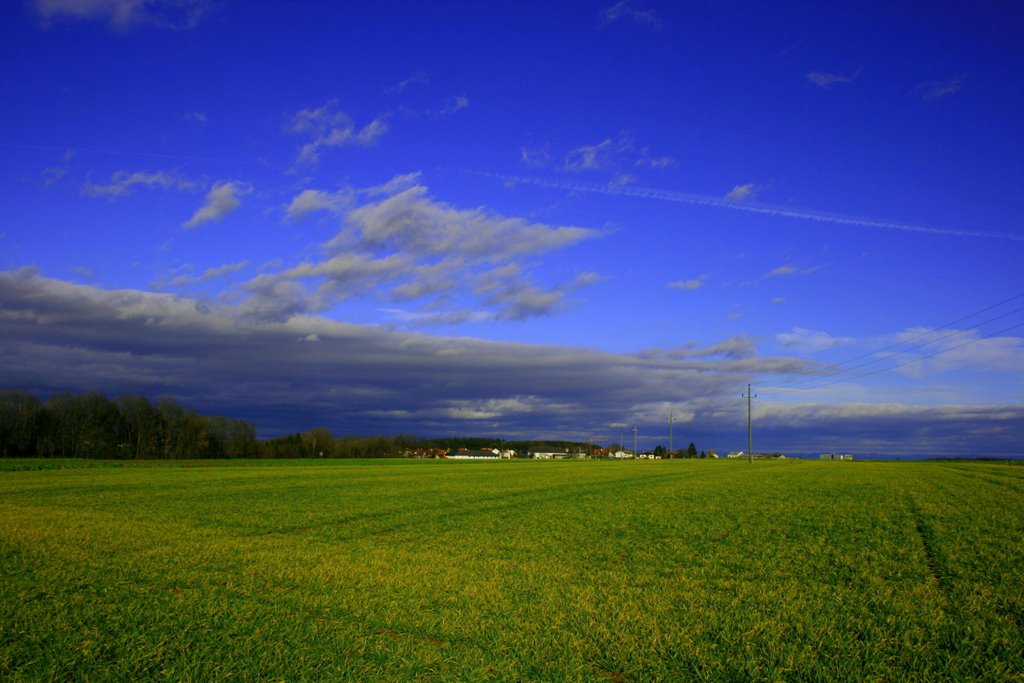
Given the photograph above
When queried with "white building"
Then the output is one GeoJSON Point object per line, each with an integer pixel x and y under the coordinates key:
{"type": "Point", "coordinates": [550, 455]}
{"type": "Point", "coordinates": [835, 456]}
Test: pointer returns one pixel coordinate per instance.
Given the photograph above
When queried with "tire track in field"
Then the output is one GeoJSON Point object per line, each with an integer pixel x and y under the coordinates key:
{"type": "Point", "coordinates": [1008, 479]}
{"type": "Point", "coordinates": [927, 537]}
{"type": "Point", "coordinates": [955, 626]}
{"type": "Point", "coordinates": [458, 509]}
{"type": "Point", "coordinates": [466, 507]}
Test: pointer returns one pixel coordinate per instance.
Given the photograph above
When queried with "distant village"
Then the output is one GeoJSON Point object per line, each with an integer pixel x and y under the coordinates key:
{"type": "Point", "coordinates": [593, 454]}
{"type": "Point", "coordinates": [132, 427]}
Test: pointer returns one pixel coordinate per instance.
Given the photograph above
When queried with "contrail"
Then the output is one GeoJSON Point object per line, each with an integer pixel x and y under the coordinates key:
{"type": "Point", "coordinates": [749, 207]}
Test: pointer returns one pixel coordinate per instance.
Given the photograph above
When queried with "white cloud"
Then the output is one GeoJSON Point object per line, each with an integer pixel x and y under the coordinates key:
{"type": "Point", "coordinates": [308, 201]}
{"type": "Point", "coordinates": [369, 134]}
{"type": "Point", "coordinates": [270, 298]}
{"type": "Point", "coordinates": [206, 276]}
{"type": "Point", "coordinates": [824, 80]}
{"type": "Point", "coordinates": [741, 193]}
{"type": "Point", "coordinates": [590, 157]}
{"type": "Point", "coordinates": [695, 283]}
{"type": "Point", "coordinates": [931, 90]}
{"type": "Point", "coordinates": [811, 340]}
{"type": "Point", "coordinates": [412, 222]}
{"type": "Point", "coordinates": [221, 200]}
{"type": "Point", "coordinates": [196, 117]}
{"type": "Point", "coordinates": [619, 154]}
{"type": "Point", "coordinates": [438, 319]}
{"type": "Point", "coordinates": [403, 245]}
{"type": "Point", "coordinates": [122, 183]}
{"type": "Point", "coordinates": [782, 271]}
{"type": "Point", "coordinates": [648, 161]}
{"type": "Point", "coordinates": [515, 296]}
{"type": "Point", "coordinates": [926, 350]}
{"type": "Point", "coordinates": [429, 279]}
{"type": "Point", "coordinates": [626, 9]}
{"type": "Point", "coordinates": [535, 156]}
{"type": "Point", "coordinates": [787, 270]}
{"type": "Point", "coordinates": [125, 14]}
{"type": "Point", "coordinates": [453, 105]}
{"type": "Point", "coordinates": [493, 408]}
{"type": "Point", "coordinates": [396, 184]}
{"type": "Point", "coordinates": [527, 301]}
{"type": "Point", "coordinates": [417, 78]}
{"type": "Point", "coordinates": [622, 179]}
{"type": "Point", "coordinates": [345, 275]}
{"type": "Point", "coordinates": [735, 348]}
{"type": "Point", "coordinates": [586, 279]}
{"type": "Point", "coordinates": [329, 127]}
{"type": "Point", "coordinates": [52, 174]}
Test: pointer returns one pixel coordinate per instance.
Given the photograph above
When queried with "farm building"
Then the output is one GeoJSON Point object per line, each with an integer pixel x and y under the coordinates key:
{"type": "Point", "coordinates": [465, 454]}
{"type": "Point", "coordinates": [835, 456]}
{"type": "Point", "coordinates": [550, 455]}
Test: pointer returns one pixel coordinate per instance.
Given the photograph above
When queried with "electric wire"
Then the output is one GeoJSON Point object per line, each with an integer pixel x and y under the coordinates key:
{"type": "Point", "coordinates": [848, 368]}
{"type": "Point", "coordinates": [915, 360]}
{"type": "Point", "coordinates": [842, 367]}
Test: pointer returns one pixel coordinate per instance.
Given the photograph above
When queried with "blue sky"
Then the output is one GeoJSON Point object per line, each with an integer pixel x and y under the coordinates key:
{"type": "Point", "coordinates": [525, 220]}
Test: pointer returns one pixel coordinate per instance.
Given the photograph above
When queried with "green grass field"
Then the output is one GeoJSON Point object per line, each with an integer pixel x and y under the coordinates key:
{"type": "Point", "coordinates": [540, 571]}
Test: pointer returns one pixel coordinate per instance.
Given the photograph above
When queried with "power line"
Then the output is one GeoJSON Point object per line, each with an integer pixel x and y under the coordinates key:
{"type": "Point", "coordinates": [914, 360]}
{"type": "Point", "coordinates": [847, 368]}
{"type": "Point", "coordinates": [841, 367]}
{"type": "Point", "coordinates": [844, 367]}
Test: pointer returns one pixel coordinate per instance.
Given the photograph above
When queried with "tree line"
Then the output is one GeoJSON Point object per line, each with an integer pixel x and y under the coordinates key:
{"type": "Point", "coordinates": [130, 427]}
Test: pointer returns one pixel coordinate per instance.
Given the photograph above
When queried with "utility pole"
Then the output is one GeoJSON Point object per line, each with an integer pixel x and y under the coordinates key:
{"type": "Point", "coordinates": [671, 453]}
{"type": "Point", "coordinates": [750, 442]}
{"type": "Point", "coordinates": [635, 429]}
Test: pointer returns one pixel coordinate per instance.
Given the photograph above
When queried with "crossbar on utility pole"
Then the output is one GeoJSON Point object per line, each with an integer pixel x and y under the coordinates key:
{"type": "Point", "coordinates": [750, 441]}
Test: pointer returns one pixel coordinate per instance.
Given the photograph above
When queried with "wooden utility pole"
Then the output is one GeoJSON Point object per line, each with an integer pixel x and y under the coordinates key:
{"type": "Point", "coordinates": [750, 441]}
{"type": "Point", "coordinates": [671, 453]}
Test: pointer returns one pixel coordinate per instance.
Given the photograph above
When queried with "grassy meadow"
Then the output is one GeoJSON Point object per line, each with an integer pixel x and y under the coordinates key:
{"type": "Point", "coordinates": [539, 571]}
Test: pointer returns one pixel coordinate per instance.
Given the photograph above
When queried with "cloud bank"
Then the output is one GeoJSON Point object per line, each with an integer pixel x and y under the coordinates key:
{"type": "Point", "coordinates": [308, 371]}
